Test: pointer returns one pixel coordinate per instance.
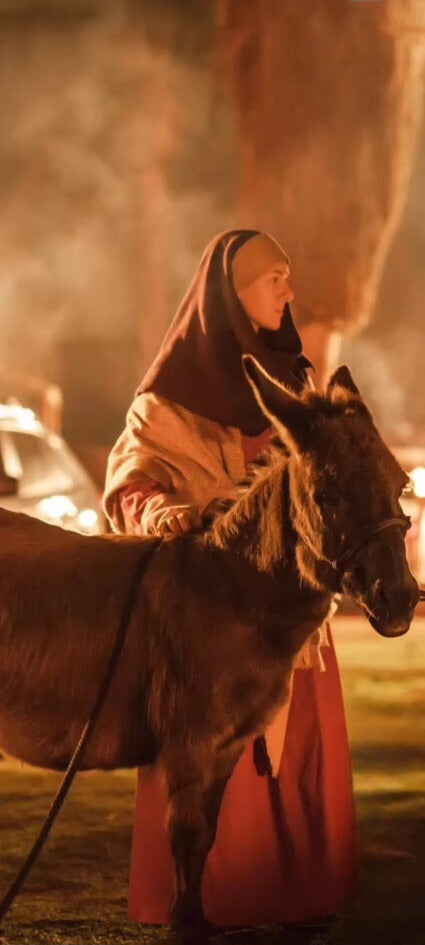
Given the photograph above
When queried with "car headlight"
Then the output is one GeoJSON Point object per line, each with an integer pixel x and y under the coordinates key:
{"type": "Point", "coordinates": [61, 510]}
{"type": "Point", "coordinates": [56, 507]}
{"type": "Point", "coordinates": [88, 521]}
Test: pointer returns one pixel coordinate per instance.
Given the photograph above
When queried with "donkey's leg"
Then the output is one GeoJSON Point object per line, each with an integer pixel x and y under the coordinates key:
{"type": "Point", "coordinates": [195, 796]}
{"type": "Point", "coordinates": [190, 839]}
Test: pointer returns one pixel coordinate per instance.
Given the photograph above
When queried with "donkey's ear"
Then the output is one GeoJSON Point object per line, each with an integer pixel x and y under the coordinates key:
{"type": "Point", "coordinates": [292, 418]}
{"type": "Point", "coordinates": [340, 384]}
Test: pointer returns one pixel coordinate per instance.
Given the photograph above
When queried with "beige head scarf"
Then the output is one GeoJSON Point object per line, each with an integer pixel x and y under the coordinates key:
{"type": "Point", "coordinates": [256, 256]}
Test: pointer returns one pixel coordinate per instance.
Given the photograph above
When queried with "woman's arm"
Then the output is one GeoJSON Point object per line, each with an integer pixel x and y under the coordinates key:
{"type": "Point", "coordinates": [188, 460]}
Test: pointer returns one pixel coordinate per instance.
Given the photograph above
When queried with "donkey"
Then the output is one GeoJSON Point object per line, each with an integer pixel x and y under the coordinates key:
{"type": "Point", "coordinates": [219, 616]}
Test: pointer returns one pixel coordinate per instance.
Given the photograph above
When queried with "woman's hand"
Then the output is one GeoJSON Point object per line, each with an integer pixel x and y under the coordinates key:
{"type": "Point", "coordinates": [180, 522]}
{"type": "Point", "coordinates": [171, 520]}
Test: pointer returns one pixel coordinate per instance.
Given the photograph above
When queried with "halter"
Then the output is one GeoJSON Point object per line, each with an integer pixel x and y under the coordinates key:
{"type": "Point", "coordinates": [401, 521]}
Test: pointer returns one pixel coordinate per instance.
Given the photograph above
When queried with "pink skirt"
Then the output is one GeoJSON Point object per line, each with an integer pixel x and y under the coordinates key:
{"type": "Point", "coordinates": [285, 849]}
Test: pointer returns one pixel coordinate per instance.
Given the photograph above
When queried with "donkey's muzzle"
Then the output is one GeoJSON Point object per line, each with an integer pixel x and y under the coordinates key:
{"type": "Point", "coordinates": [391, 630]}
{"type": "Point", "coordinates": [392, 610]}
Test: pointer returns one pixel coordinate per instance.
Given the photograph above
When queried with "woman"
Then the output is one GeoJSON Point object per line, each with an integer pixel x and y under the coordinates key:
{"type": "Point", "coordinates": [285, 844]}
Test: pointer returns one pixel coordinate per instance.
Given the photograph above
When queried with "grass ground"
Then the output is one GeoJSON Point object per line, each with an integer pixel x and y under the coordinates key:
{"type": "Point", "coordinates": [76, 894]}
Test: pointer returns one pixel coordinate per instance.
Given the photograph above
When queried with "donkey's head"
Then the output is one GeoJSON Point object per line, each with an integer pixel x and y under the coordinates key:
{"type": "Point", "coordinates": [345, 488]}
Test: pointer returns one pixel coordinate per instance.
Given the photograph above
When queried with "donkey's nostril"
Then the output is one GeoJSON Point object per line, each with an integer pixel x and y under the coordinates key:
{"type": "Point", "coordinates": [393, 598]}
{"type": "Point", "coordinates": [381, 596]}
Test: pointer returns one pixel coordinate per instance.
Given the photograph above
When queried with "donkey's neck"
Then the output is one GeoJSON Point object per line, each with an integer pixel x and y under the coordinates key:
{"type": "Point", "coordinates": [257, 528]}
{"type": "Point", "coordinates": [258, 541]}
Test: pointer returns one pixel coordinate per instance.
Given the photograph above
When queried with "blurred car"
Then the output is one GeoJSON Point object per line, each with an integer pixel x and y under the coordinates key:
{"type": "Point", "coordinates": [39, 474]}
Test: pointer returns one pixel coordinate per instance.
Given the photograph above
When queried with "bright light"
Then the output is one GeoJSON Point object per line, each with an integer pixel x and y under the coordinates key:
{"type": "Point", "coordinates": [417, 476]}
{"type": "Point", "coordinates": [421, 554]}
{"type": "Point", "coordinates": [87, 520]}
{"type": "Point", "coordinates": [57, 507]}
{"type": "Point", "coordinates": [23, 416]}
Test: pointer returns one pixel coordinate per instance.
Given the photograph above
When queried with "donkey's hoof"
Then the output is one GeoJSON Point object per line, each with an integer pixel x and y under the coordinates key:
{"type": "Point", "coordinates": [189, 918]}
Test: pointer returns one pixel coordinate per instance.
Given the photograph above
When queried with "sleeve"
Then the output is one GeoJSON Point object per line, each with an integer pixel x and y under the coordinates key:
{"type": "Point", "coordinates": [172, 448]}
{"type": "Point", "coordinates": [147, 510]}
{"type": "Point", "coordinates": [136, 472]}
{"type": "Point", "coordinates": [135, 502]}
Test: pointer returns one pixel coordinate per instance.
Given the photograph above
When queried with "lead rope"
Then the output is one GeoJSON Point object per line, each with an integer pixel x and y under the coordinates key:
{"type": "Point", "coordinates": [71, 770]}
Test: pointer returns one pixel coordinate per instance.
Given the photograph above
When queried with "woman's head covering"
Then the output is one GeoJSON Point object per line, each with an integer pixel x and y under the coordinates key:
{"type": "Point", "coordinates": [256, 256]}
{"type": "Point", "coordinates": [199, 364]}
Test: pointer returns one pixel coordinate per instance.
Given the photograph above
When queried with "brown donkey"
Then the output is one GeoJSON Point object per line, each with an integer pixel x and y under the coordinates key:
{"type": "Point", "coordinates": [219, 616]}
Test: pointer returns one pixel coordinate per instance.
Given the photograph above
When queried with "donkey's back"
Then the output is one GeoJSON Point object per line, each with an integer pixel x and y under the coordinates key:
{"type": "Point", "coordinates": [49, 576]}
{"type": "Point", "coordinates": [61, 599]}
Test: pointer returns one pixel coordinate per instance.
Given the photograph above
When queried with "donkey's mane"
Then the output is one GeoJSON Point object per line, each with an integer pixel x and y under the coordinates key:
{"type": "Point", "coordinates": [258, 470]}
{"type": "Point", "coordinates": [265, 485]}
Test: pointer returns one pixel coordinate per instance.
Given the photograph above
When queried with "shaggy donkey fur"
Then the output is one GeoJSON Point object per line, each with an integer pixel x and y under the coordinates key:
{"type": "Point", "coordinates": [219, 618]}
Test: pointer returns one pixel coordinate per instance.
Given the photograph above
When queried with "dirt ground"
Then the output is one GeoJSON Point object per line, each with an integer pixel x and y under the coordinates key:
{"type": "Point", "coordinates": [76, 894]}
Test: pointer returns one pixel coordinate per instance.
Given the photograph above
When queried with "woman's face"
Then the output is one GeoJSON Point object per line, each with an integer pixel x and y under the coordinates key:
{"type": "Point", "coordinates": [265, 299]}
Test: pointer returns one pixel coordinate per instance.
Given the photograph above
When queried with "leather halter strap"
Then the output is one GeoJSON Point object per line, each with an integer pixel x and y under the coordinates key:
{"type": "Point", "coordinates": [401, 521]}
